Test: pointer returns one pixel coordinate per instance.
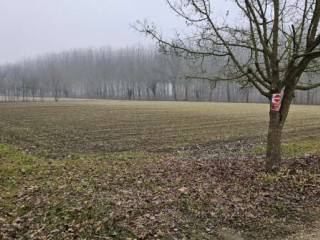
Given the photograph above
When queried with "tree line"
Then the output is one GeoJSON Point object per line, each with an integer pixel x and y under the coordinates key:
{"type": "Point", "coordinates": [134, 73]}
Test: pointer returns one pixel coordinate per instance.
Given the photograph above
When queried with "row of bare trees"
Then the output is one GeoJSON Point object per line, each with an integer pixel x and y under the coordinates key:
{"type": "Point", "coordinates": [131, 73]}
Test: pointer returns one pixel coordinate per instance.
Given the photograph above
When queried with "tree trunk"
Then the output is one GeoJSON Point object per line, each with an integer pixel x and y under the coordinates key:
{"type": "Point", "coordinates": [309, 97]}
{"type": "Point", "coordinates": [154, 91]}
{"type": "Point", "coordinates": [56, 95]}
{"type": "Point", "coordinates": [148, 93]}
{"type": "Point", "coordinates": [273, 158]}
{"type": "Point", "coordinates": [211, 94]}
{"type": "Point", "coordinates": [174, 91]}
{"type": "Point", "coordinates": [186, 89]}
{"type": "Point", "coordinates": [228, 92]}
{"type": "Point", "coordinates": [247, 95]}
{"type": "Point", "coordinates": [276, 124]}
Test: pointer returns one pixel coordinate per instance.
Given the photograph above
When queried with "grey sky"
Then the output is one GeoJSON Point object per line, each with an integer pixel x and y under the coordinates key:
{"type": "Point", "coordinates": [33, 27]}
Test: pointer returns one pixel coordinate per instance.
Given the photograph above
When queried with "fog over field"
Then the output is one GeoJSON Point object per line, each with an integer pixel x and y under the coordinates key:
{"type": "Point", "coordinates": [160, 119]}
{"type": "Point", "coordinates": [36, 27]}
{"type": "Point", "coordinates": [94, 36]}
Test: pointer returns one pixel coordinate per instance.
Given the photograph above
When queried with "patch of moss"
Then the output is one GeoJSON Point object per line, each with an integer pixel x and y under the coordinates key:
{"type": "Point", "coordinates": [279, 209]}
{"type": "Point", "coordinates": [14, 166]}
{"type": "Point", "coordinates": [269, 179]}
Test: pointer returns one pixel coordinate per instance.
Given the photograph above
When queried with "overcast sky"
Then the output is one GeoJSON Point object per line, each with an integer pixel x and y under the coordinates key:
{"type": "Point", "coordinates": [33, 27]}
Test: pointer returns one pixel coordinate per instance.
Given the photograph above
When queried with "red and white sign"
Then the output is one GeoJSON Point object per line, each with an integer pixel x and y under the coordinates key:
{"type": "Point", "coordinates": [276, 102]}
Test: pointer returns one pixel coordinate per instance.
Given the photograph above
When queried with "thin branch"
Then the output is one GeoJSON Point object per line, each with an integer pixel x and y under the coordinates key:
{"type": "Point", "coordinates": [307, 87]}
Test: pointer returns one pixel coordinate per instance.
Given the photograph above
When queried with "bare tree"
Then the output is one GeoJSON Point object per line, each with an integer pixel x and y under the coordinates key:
{"type": "Point", "coordinates": [279, 41]}
{"type": "Point", "coordinates": [3, 85]}
{"type": "Point", "coordinates": [54, 76]}
{"type": "Point", "coordinates": [175, 71]}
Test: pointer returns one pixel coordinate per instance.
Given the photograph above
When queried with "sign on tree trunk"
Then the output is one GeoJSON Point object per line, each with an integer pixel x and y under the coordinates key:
{"type": "Point", "coordinates": [276, 102]}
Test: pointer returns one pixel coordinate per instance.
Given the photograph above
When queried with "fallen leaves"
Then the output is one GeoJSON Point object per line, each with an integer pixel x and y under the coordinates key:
{"type": "Point", "coordinates": [183, 190]}
{"type": "Point", "coordinates": [191, 195]}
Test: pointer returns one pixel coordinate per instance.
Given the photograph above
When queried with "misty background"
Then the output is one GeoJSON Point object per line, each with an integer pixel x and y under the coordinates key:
{"type": "Point", "coordinates": [35, 27]}
{"type": "Point", "coordinates": [88, 49]}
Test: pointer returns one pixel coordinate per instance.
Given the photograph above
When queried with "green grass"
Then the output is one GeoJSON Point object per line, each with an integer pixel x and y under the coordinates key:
{"type": "Point", "coordinates": [60, 193]}
{"type": "Point", "coordinates": [296, 148]}
{"type": "Point", "coordinates": [13, 166]}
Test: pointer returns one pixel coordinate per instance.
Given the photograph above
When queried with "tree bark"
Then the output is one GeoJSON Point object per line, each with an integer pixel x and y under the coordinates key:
{"type": "Point", "coordinates": [174, 91]}
{"type": "Point", "coordinates": [186, 90]}
{"type": "Point", "coordinates": [56, 95]}
{"type": "Point", "coordinates": [247, 95]}
{"type": "Point", "coordinates": [273, 158]}
{"type": "Point", "coordinates": [228, 92]}
{"type": "Point", "coordinates": [276, 124]}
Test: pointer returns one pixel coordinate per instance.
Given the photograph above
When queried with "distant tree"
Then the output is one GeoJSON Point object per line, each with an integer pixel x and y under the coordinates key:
{"type": "Point", "coordinates": [54, 76]}
{"type": "Point", "coordinates": [175, 70]}
{"type": "Point", "coordinates": [278, 41]}
{"type": "Point", "coordinates": [3, 85]}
